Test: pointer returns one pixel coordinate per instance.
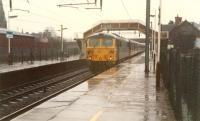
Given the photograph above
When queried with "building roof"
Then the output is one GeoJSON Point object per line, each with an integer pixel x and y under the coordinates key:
{"type": "Point", "coordinates": [167, 27]}
{"type": "Point", "coordinates": [196, 25]}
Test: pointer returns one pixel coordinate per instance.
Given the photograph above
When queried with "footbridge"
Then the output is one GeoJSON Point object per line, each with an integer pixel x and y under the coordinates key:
{"type": "Point", "coordinates": [119, 25]}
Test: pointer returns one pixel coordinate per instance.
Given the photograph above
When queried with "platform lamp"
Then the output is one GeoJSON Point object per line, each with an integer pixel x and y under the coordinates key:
{"type": "Point", "coordinates": [62, 42]}
{"type": "Point", "coordinates": [9, 35]}
{"type": "Point", "coordinates": [159, 30]}
{"type": "Point", "coordinates": [153, 40]}
{"type": "Point", "coordinates": [147, 36]}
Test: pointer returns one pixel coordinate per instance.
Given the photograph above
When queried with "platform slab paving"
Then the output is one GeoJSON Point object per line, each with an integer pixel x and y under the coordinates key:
{"type": "Point", "coordinates": [122, 93]}
{"type": "Point", "coordinates": [27, 64]}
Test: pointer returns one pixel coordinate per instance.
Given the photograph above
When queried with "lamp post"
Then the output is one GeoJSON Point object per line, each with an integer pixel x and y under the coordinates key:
{"type": "Point", "coordinates": [147, 36]}
{"type": "Point", "coordinates": [62, 48]}
{"type": "Point", "coordinates": [154, 41]}
{"type": "Point", "coordinates": [159, 31]}
{"type": "Point", "coordinates": [158, 48]}
{"type": "Point", "coordinates": [9, 35]}
{"type": "Point", "coordinates": [152, 37]}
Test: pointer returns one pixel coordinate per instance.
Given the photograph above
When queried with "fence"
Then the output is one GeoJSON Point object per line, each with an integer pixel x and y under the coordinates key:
{"type": "Point", "coordinates": [21, 55]}
{"type": "Point", "coordinates": [181, 75]}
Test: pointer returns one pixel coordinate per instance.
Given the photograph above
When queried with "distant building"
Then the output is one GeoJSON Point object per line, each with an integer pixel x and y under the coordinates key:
{"type": "Point", "coordinates": [180, 34]}
{"type": "Point", "coordinates": [165, 32]}
{"type": "Point", "coordinates": [166, 28]}
{"type": "Point", "coordinates": [2, 16]}
{"type": "Point", "coordinates": [185, 36]}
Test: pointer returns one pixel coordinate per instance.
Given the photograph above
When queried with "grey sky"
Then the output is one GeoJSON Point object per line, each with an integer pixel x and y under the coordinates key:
{"type": "Point", "coordinates": [45, 13]}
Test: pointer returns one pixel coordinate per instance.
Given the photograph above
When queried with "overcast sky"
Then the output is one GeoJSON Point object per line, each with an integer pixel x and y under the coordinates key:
{"type": "Point", "coordinates": [45, 13]}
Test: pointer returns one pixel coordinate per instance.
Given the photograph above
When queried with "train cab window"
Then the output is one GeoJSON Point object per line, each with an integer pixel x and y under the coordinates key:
{"type": "Point", "coordinates": [107, 42]}
{"type": "Point", "coordinates": [94, 42]}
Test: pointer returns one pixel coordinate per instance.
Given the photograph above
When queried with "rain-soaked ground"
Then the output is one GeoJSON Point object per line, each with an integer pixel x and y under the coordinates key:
{"type": "Point", "coordinates": [122, 93]}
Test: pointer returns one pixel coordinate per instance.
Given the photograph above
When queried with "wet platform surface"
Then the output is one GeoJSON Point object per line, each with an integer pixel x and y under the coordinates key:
{"type": "Point", "coordinates": [18, 66]}
{"type": "Point", "coordinates": [122, 93]}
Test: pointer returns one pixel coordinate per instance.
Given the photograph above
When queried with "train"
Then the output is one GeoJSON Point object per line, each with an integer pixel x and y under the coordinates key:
{"type": "Point", "coordinates": [33, 47]}
{"type": "Point", "coordinates": [107, 49]}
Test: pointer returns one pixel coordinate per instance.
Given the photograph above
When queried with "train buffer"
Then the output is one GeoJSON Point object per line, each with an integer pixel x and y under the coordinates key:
{"type": "Point", "coordinates": [122, 93]}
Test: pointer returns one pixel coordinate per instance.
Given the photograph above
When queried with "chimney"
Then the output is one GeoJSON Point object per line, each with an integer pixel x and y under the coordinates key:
{"type": "Point", "coordinates": [178, 20]}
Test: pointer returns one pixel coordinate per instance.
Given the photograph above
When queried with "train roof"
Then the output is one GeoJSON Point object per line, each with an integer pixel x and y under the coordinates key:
{"type": "Point", "coordinates": [114, 35]}
{"type": "Point", "coordinates": [4, 30]}
{"type": "Point", "coordinates": [139, 43]}
{"type": "Point", "coordinates": [102, 34]}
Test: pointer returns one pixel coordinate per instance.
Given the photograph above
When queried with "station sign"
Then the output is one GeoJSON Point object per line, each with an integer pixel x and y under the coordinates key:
{"type": "Point", "coordinates": [9, 34]}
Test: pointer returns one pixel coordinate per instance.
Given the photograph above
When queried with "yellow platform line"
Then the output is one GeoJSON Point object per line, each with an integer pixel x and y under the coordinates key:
{"type": "Point", "coordinates": [96, 116]}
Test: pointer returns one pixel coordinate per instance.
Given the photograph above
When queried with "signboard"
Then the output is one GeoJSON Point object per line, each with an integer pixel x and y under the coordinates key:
{"type": "Point", "coordinates": [9, 34]}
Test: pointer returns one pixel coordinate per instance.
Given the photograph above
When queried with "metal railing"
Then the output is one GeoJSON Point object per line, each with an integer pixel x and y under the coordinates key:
{"type": "Point", "coordinates": [28, 55]}
{"type": "Point", "coordinates": [181, 75]}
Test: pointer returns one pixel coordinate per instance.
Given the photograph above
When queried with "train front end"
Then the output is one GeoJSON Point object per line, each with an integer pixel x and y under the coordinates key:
{"type": "Point", "coordinates": [101, 51]}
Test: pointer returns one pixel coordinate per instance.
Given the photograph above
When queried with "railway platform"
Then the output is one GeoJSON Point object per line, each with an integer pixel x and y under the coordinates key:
{"type": "Point", "coordinates": [18, 66]}
{"type": "Point", "coordinates": [122, 93]}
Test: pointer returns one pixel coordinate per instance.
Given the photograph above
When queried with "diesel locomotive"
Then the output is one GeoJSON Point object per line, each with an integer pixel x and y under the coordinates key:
{"type": "Point", "coordinates": [106, 49]}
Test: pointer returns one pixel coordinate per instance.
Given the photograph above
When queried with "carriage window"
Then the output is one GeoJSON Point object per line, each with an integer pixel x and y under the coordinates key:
{"type": "Point", "coordinates": [94, 42]}
{"type": "Point", "coordinates": [107, 42]}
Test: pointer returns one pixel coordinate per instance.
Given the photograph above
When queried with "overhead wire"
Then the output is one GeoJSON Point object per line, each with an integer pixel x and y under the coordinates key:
{"type": "Point", "coordinates": [50, 18]}
{"type": "Point", "coordinates": [49, 11]}
{"type": "Point", "coordinates": [45, 9]}
{"type": "Point", "coordinates": [56, 21]}
{"type": "Point", "coordinates": [126, 9]}
{"type": "Point", "coordinates": [32, 21]}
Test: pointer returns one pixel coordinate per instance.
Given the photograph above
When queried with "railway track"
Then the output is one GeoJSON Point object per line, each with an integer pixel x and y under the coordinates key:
{"type": "Point", "coordinates": [16, 101]}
